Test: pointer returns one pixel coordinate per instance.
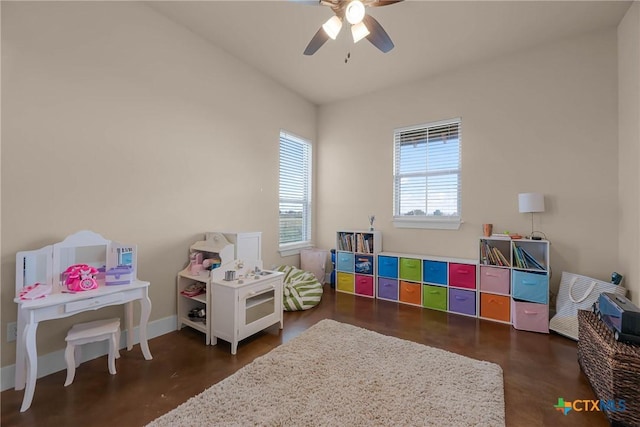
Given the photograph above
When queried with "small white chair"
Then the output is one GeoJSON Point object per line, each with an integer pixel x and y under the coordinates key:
{"type": "Point", "coordinates": [84, 333]}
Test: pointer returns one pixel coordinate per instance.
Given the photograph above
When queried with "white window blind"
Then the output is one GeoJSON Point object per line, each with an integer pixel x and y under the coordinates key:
{"type": "Point", "coordinates": [295, 190]}
{"type": "Point", "coordinates": [427, 173]}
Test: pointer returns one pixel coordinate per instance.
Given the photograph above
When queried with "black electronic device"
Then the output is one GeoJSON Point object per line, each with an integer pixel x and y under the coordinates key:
{"type": "Point", "coordinates": [620, 315]}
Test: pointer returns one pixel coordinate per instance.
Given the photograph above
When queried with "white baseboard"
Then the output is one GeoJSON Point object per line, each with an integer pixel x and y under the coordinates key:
{"type": "Point", "coordinates": [54, 362]}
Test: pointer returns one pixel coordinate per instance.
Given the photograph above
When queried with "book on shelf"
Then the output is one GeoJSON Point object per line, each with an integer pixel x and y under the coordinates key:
{"type": "Point", "coordinates": [492, 255]}
{"type": "Point", "coordinates": [483, 253]}
{"type": "Point", "coordinates": [530, 261]}
{"type": "Point", "coordinates": [496, 256]}
{"type": "Point", "coordinates": [346, 242]}
{"type": "Point", "coordinates": [503, 259]}
{"type": "Point", "coordinates": [358, 242]}
{"type": "Point", "coordinates": [520, 262]}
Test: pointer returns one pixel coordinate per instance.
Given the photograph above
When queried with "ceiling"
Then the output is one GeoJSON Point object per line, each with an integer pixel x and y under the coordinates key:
{"type": "Point", "coordinates": [430, 37]}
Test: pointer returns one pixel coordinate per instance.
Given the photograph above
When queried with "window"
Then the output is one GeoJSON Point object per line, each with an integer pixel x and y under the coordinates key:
{"type": "Point", "coordinates": [426, 176]}
{"type": "Point", "coordinates": [295, 193]}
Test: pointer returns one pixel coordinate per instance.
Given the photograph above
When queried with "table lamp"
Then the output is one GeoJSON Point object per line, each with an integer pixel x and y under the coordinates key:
{"type": "Point", "coordinates": [530, 203]}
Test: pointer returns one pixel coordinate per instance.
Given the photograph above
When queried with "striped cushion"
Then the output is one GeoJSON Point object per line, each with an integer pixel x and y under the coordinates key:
{"type": "Point", "coordinates": [301, 288]}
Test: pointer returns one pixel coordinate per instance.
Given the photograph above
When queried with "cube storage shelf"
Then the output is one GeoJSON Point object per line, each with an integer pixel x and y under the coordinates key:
{"type": "Point", "coordinates": [437, 283]}
{"type": "Point", "coordinates": [355, 261]}
{"type": "Point", "coordinates": [509, 283]}
{"type": "Point", "coordinates": [514, 282]}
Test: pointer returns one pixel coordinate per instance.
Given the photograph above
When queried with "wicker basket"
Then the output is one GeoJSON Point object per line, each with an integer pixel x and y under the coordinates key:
{"type": "Point", "coordinates": [612, 367]}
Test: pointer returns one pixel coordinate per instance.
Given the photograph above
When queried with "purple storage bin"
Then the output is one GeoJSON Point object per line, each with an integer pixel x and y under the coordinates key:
{"type": "Point", "coordinates": [461, 301]}
{"type": "Point", "coordinates": [388, 289]}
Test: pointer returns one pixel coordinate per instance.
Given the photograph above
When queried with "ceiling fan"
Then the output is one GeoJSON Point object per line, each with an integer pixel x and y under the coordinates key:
{"type": "Point", "coordinates": [362, 25]}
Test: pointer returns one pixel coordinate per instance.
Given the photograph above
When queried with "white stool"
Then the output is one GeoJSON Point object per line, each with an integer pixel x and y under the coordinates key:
{"type": "Point", "coordinates": [84, 333]}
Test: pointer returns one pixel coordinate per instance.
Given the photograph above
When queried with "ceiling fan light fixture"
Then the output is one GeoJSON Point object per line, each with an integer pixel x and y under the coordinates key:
{"type": "Point", "coordinates": [355, 12]}
{"type": "Point", "coordinates": [359, 31]}
{"type": "Point", "coordinates": [332, 27]}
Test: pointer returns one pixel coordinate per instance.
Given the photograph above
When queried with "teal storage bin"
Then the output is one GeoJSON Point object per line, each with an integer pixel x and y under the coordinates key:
{"type": "Point", "coordinates": [532, 287]}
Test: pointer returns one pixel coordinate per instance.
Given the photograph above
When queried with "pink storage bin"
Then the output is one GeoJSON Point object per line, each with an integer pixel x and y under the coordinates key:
{"type": "Point", "coordinates": [364, 285]}
{"type": "Point", "coordinates": [462, 275]}
{"type": "Point", "coordinates": [529, 316]}
{"type": "Point", "coordinates": [496, 280]}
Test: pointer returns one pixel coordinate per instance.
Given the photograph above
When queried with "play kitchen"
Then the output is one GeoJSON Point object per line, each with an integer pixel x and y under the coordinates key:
{"type": "Point", "coordinates": [245, 299]}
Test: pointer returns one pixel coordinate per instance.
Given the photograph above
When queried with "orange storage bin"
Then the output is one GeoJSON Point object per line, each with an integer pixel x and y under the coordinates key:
{"type": "Point", "coordinates": [410, 292]}
{"type": "Point", "coordinates": [497, 307]}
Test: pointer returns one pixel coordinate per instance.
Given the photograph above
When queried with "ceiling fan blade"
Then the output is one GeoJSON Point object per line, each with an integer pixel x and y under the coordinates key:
{"type": "Point", "coordinates": [316, 42]}
{"type": "Point", "coordinates": [377, 35]}
{"type": "Point", "coordinates": [377, 3]}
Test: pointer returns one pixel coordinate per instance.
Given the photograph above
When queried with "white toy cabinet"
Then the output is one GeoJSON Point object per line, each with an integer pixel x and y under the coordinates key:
{"type": "Point", "coordinates": [225, 251]}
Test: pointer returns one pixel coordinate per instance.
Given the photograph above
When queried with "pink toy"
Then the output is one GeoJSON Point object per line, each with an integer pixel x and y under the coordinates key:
{"type": "Point", "coordinates": [80, 277]}
{"type": "Point", "coordinates": [35, 291]}
{"type": "Point", "coordinates": [195, 263]}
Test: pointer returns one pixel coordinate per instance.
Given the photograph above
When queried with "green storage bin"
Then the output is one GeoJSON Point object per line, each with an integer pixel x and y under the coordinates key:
{"type": "Point", "coordinates": [434, 297]}
{"type": "Point", "coordinates": [411, 269]}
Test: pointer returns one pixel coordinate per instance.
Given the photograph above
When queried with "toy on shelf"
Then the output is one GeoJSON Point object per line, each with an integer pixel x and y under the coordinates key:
{"type": "Point", "coordinates": [119, 275]}
{"type": "Point", "coordinates": [35, 291]}
{"type": "Point", "coordinates": [194, 289]}
{"type": "Point", "coordinates": [195, 263]}
{"type": "Point", "coordinates": [211, 263]}
{"type": "Point", "coordinates": [80, 277]}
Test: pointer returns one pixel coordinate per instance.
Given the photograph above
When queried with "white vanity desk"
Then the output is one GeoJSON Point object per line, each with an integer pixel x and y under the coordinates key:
{"type": "Point", "coordinates": [44, 266]}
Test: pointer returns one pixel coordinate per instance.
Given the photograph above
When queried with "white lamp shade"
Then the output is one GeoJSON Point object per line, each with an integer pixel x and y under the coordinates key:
{"type": "Point", "coordinates": [531, 202]}
{"type": "Point", "coordinates": [332, 27]}
{"type": "Point", "coordinates": [355, 12]}
{"type": "Point", "coordinates": [359, 31]}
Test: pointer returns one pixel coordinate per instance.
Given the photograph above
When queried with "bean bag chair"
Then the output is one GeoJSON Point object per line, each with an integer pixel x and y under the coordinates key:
{"type": "Point", "coordinates": [301, 290]}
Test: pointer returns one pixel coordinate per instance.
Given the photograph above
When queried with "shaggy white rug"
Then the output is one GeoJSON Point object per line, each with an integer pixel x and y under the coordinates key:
{"type": "Point", "coordinates": [335, 374]}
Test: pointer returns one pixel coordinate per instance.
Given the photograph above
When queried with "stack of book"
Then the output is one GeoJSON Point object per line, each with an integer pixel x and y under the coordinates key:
{"type": "Point", "coordinates": [364, 243]}
{"type": "Point", "coordinates": [524, 259]}
{"type": "Point", "coordinates": [492, 255]}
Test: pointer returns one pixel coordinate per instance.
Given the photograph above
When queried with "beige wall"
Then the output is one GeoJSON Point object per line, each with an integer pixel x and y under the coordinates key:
{"type": "Point", "coordinates": [116, 120]}
{"type": "Point", "coordinates": [629, 155]}
{"type": "Point", "coordinates": [543, 120]}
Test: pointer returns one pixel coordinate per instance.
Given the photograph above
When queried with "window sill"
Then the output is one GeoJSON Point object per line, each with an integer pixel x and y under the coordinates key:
{"type": "Point", "coordinates": [427, 222]}
{"type": "Point", "coordinates": [293, 248]}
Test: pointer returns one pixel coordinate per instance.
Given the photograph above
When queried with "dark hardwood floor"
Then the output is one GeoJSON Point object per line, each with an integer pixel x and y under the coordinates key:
{"type": "Point", "coordinates": [538, 368]}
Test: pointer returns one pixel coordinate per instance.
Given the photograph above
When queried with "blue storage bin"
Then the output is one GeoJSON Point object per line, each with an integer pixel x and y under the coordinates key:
{"type": "Point", "coordinates": [364, 264]}
{"type": "Point", "coordinates": [434, 272]}
{"type": "Point", "coordinates": [388, 266]}
{"type": "Point", "coordinates": [532, 287]}
{"type": "Point", "coordinates": [345, 261]}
